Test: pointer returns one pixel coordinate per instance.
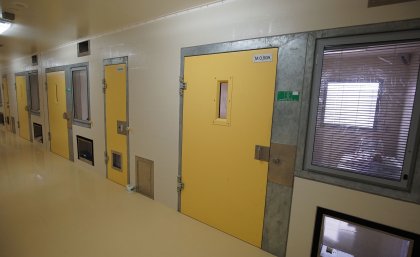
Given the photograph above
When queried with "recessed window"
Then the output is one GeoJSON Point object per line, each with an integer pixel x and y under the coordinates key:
{"type": "Point", "coordinates": [223, 98]}
{"type": "Point", "coordinates": [81, 108]}
{"type": "Point", "coordinates": [34, 91]}
{"type": "Point", "coordinates": [85, 149]}
{"type": "Point", "coordinates": [38, 133]}
{"type": "Point", "coordinates": [351, 104]}
{"type": "Point", "coordinates": [339, 234]}
{"type": "Point", "coordinates": [117, 161]}
{"type": "Point", "coordinates": [362, 110]}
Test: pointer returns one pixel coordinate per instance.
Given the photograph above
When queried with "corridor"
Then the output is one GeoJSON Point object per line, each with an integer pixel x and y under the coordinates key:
{"type": "Point", "coordinates": [50, 207]}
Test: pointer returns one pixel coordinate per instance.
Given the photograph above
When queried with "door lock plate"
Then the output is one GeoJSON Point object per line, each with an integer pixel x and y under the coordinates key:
{"type": "Point", "coordinates": [65, 116]}
{"type": "Point", "coordinates": [262, 153]}
{"type": "Point", "coordinates": [122, 127]}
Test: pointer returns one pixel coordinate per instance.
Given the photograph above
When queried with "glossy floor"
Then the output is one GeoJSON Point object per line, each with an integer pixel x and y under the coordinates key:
{"type": "Point", "coordinates": [50, 207]}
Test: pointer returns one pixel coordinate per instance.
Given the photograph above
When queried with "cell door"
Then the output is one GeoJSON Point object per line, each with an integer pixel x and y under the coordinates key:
{"type": "Point", "coordinates": [227, 116]}
{"type": "Point", "coordinates": [24, 114]}
{"type": "Point", "coordinates": [6, 104]}
{"type": "Point", "coordinates": [116, 120]}
{"type": "Point", "coordinates": [59, 121]}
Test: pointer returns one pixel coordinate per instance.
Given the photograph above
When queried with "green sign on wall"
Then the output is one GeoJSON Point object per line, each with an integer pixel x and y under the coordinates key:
{"type": "Point", "coordinates": [288, 96]}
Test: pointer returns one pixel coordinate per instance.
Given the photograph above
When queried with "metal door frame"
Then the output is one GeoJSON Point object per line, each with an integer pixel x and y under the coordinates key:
{"type": "Point", "coordinates": [28, 100]}
{"type": "Point", "coordinates": [115, 61]}
{"type": "Point", "coordinates": [218, 48]}
{"type": "Point", "coordinates": [9, 125]}
{"type": "Point", "coordinates": [29, 73]}
{"type": "Point", "coordinates": [69, 104]}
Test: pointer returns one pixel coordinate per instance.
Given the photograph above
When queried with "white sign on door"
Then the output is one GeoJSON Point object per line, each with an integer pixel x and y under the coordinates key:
{"type": "Point", "coordinates": [263, 58]}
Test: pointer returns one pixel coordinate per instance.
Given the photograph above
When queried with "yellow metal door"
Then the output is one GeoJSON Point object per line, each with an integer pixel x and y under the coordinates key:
{"type": "Point", "coordinates": [6, 104]}
{"type": "Point", "coordinates": [57, 114]}
{"type": "Point", "coordinates": [116, 122]}
{"type": "Point", "coordinates": [227, 111]}
{"type": "Point", "coordinates": [23, 108]}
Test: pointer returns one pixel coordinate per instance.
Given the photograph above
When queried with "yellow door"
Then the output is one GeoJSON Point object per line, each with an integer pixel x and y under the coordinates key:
{"type": "Point", "coordinates": [57, 114]}
{"type": "Point", "coordinates": [227, 111]}
{"type": "Point", "coordinates": [6, 104]}
{"type": "Point", "coordinates": [23, 108]}
{"type": "Point", "coordinates": [116, 122]}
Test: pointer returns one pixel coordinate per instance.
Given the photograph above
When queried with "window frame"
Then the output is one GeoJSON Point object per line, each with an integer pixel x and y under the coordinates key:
{"type": "Point", "coordinates": [407, 173]}
{"type": "Point", "coordinates": [79, 122]}
{"type": "Point", "coordinates": [34, 112]}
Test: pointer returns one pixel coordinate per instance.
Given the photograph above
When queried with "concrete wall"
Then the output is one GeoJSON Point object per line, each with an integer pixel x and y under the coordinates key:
{"type": "Point", "coordinates": [153, 51]}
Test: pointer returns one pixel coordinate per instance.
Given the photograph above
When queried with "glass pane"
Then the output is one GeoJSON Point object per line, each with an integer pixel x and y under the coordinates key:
{"type": "Point", "coordinates": [342, 238]}
{"type": "Point", "coordinates": [223, 98]}
{"type": "Point", "coordinates": [351, 104]}
{"type": "Point", "coordinates": [33, 82]}
{"type": "Point", "coordinates": [365, 105]}
{"type": "Point", "coordinates": [116, 161]}
{"type": "Point", "coordinates": [80, 95]}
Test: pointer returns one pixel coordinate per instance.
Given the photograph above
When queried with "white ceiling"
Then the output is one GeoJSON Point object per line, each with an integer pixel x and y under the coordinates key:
{"type": "Point", "coordinates": [44, 24]}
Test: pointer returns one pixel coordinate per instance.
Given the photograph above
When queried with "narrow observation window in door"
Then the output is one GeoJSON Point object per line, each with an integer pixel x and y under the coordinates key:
{"type": "Point", "coordinates": [223, 100]}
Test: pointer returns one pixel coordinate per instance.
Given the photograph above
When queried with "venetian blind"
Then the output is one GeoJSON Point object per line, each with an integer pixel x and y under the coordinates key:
{"type": "Point", "coordinates": [365, 107]}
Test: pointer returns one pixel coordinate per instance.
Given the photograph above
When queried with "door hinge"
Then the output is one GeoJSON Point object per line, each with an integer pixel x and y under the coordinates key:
{"type": "Point", "coordinates": [46, 86]}
{"type": "Point", "coordinates": [104, 85]}
{"type": "Point", "coordinates": [106, 157]}
{"type": "Point", "coordinates": [49, 136]}
{"type": "Point", "coordinates": [182, 86]}
{"type": "Point", "coordinates": [180, 184]}
{"type": "Point", "coordinates": [18, 123]}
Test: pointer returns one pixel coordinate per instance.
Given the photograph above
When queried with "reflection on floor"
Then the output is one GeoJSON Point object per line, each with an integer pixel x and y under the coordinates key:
{"type": "Point", "coordinates": [50, 207]}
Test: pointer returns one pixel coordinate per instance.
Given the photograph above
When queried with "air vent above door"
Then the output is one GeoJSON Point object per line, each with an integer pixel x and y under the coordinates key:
{"type": "Point", "coordinates": [83, 48]}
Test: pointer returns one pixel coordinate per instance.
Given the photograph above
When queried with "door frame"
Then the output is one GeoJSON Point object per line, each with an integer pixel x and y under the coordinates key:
{"type": "Point", "coordinates": [114, 61]}
{"type": "Point", "coordinates": [69, 104]}
{"type": "Point", "coordinates": [8, 125]}
{"type": "Point", "coordinates": [28, 100]}
{"type": "Point", "coordinates": [218, 48]}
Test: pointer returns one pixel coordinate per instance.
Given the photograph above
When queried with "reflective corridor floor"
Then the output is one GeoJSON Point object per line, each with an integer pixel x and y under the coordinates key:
{"type": "Point", "coordinates": [51, 208]}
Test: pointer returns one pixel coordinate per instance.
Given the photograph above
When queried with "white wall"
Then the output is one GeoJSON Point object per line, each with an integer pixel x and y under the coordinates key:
{"type": "Point", "coordinates": [154, 63]}
{"type": "Point", "coordinates": [307, 195]}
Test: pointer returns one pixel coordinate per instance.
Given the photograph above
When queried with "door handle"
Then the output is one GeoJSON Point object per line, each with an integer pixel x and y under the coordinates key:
{"type": "Point", "coordinates": [26, 108]}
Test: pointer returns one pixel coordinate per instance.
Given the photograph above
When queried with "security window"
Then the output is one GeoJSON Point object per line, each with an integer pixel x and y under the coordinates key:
{"type": "Point", "coordinates": [34, 91]}
{"type": "Point", "coordinates": [362, 119]}
{"type": "Point", "coordinates": [351, 104]}
{"type": "Point", "coordinates": [81, 109]}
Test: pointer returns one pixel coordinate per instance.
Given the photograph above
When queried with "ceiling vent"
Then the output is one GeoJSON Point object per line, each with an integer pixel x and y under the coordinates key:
{"type": "Point", "coordinates": [83, 48]}
{"type": "Point", "coordinates": [34, 60]}
{"type": "Point", "coordinates": [8, 16]}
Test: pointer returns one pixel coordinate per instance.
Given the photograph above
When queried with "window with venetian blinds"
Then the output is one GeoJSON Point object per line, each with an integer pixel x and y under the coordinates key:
{"type": "Point", "coordinates": [366, 97]}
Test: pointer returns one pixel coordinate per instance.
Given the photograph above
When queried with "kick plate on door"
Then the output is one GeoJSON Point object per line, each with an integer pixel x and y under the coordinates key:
{"type": "Point", "coordinates": [122, 127]}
